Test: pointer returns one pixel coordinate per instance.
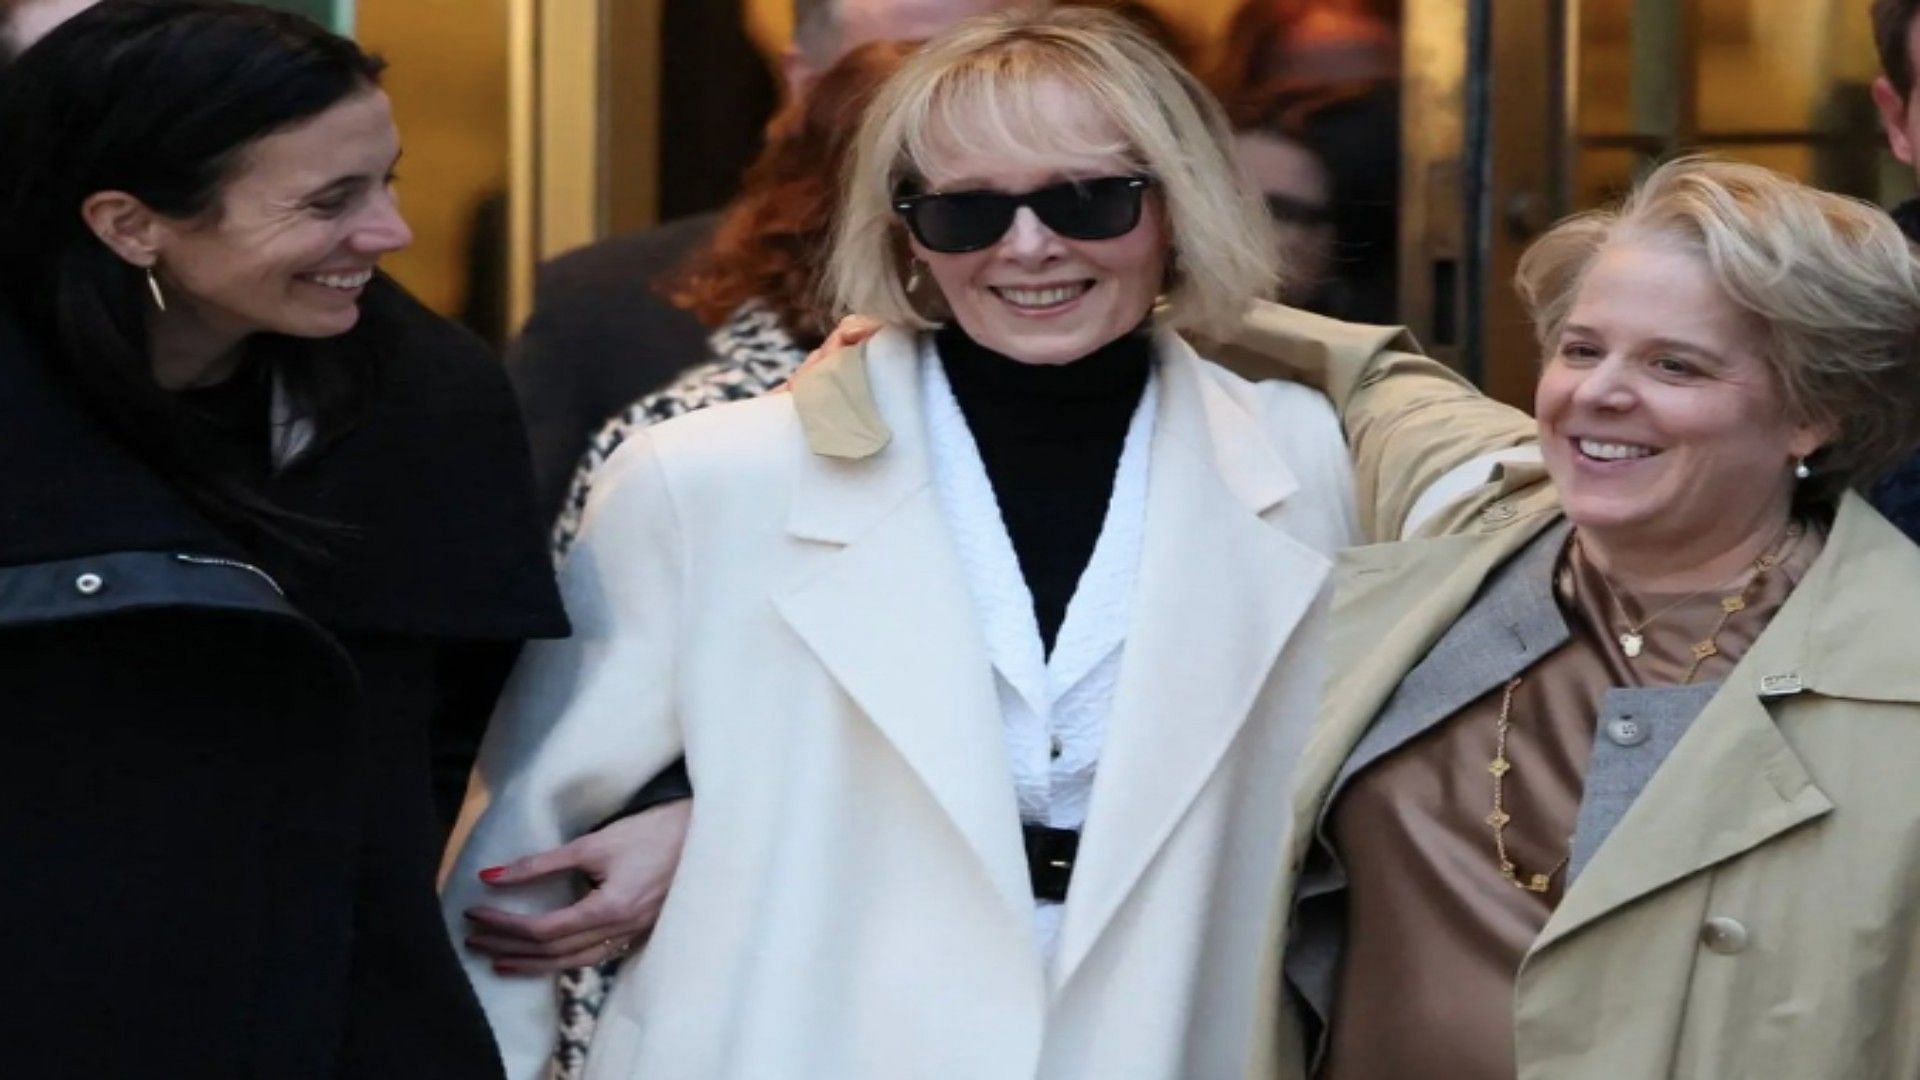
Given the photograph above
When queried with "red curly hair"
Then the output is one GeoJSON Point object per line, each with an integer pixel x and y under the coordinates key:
{"type": "Point", "coordinates": [771, 244]}
{"type": "Point", "coordinates": [1247, 78]}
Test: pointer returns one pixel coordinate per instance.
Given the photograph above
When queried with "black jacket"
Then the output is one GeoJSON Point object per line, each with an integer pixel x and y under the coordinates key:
{"type": "Point", "coordinates": [216, 813]}
{"type": "Point", "coordinates": [1898, 496]}
{"type": "Point", "coordinates": [600, 336]}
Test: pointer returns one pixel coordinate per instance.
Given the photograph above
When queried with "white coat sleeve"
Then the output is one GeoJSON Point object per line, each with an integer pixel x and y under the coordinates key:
{"type": "Point", "coordinates": [583, 723]}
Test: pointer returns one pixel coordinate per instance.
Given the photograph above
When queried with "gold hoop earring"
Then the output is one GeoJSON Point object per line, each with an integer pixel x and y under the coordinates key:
{"type": "Point", "coordinates": [153, 288]}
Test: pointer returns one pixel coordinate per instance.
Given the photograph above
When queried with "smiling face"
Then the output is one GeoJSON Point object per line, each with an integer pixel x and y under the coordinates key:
{"type": "Point", "coordinates": [1034, 295]}
{"type": "Point", "coordinates": [1660, 420]}
{"type": "Point", "coordinates": [296, 230]}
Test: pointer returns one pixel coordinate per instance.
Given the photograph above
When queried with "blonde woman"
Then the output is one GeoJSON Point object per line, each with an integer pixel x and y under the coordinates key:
{"type": "Point", "coordinates": [989, 648]}
{"type": "Point", "coordinates": [1615, 775]}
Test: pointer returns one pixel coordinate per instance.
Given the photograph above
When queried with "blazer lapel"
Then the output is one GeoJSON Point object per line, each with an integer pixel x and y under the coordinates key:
{"type": "Point", "coordinates": [881, 600]}
{"type": "Point", "coordinates": [1197, 651]}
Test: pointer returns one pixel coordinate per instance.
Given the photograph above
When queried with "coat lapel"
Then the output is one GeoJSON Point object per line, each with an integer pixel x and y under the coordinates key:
{"type": "Point", "coordinates": [1197, 652]}
{"type": "Point", "coordinates": [1734, 779]}
{"type": "Point", "coordinates": [881, 600]}
{"type": "Point", "coordinates": [1392, 604]}
{"type": "Point", "coordinates": [1511, 624]}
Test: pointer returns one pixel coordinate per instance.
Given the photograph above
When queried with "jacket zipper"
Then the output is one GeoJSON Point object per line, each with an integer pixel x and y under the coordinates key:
{"type": "Point", "coordinates": [209, 560]}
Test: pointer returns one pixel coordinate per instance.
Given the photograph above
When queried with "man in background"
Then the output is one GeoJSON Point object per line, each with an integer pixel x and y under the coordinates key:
{"type": "Point", "coordinates": [1896, 35]}
{"type": "Point", "coordinates": [600, 335]}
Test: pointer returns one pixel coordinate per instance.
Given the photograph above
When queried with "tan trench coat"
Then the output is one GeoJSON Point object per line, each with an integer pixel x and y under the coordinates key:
{"type": "Point", "coordinates": [1756, 912]}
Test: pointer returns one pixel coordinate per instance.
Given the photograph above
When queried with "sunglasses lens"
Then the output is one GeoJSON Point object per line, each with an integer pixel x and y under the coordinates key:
{"type": "Point", "coordinates": [1091, 209]}
{"type": "Point", "coordinates": [1098, 209]}
{"type": "Point", "coordinates": [966, 221]}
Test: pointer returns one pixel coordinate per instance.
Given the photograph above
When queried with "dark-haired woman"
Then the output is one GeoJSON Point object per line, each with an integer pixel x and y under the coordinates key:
{"type": "Point", "coordinates": [262, 520]}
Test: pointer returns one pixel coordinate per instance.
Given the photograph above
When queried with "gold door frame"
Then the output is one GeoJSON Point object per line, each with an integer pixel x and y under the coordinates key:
{"type": "Point", "coordinates": [1485, 110]}
{"type": "Point", "coordinates": [576, 66]}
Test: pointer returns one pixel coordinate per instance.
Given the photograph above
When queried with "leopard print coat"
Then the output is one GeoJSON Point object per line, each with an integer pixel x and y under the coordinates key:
{"type": "Point", "coordinates": [751, 354]}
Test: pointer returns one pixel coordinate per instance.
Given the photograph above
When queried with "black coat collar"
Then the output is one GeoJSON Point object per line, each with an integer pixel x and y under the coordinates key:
{"type": "Point", "coordinates": [432, 494]}
{"type": "Point", "coordinates": [66, 488]}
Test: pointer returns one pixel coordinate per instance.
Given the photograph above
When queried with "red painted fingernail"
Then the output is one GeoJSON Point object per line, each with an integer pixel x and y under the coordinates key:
{"type": "Point", "coordinates": [492, 873]}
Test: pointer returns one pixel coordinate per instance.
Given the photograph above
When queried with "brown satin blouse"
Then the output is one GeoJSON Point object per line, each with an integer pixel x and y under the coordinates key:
{"type": "Point", "coordinates": [1435, 934]}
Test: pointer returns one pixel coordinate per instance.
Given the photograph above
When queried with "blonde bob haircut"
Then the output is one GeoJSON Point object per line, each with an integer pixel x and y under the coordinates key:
{"type": "Point", "coordinates": [987, 77]}
{"type": "Point", "coordinates": [1831, 280]}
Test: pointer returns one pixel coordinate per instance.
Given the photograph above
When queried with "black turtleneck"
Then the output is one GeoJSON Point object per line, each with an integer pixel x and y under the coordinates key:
{"type": "Point", "coordinates": [1050, 436]}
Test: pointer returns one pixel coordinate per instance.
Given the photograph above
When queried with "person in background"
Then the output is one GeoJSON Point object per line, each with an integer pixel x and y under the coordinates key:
{"type": "Point", "coordinates": [1298, 192]}
{"type": "Point", "coordinates": [603, 331]}
{"type": "Point", "coordinates": [758, 279]}
{"type": "Point", "coordinates": [1896, 36]}
{"type": "Point", "coordinates": [1613, 776]}
{"type": "Point", "coordinates": [1325, 74]}
{"type": "Point", "coordinates": [941, 829]}
{"type": "Point", "coordinates": [263, 518]}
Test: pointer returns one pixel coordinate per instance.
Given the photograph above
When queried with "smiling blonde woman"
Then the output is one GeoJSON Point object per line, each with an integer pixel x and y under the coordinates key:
{"type": "Point", "coordinates": [989, 688]}
{"type": "Point", "coordinates": [1614, 775]}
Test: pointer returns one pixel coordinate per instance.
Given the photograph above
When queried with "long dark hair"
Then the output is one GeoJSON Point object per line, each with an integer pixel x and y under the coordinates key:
{"type": "Point", "coordinates": [160, 99]}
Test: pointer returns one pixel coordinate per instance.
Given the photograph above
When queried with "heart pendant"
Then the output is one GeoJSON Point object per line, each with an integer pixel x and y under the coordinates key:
{"type": "Point", "coordinates": [1630, 644]}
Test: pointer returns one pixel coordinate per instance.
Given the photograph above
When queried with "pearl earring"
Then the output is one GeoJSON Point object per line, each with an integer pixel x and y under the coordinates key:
{"type": "Point", "coordinates": [1800, 470]}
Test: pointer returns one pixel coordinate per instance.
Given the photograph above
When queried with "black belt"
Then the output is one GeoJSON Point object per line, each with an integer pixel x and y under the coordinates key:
{"type": "Point", "coordinates": [1050, 855]}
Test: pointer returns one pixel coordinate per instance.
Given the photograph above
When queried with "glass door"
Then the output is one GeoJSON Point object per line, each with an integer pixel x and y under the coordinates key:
{"type": "Point", "coordinates": [1519, 112]}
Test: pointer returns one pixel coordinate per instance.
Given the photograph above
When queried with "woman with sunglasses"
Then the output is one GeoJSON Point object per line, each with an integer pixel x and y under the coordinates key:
{"type": "Point", "coordinates": [990, 704]}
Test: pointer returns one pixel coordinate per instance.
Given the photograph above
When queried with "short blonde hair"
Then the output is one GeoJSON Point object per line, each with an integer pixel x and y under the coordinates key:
{"type": "Point", "coordinates": [988, 73]}
{"type": "Point", "coordinates": [1832, 280]}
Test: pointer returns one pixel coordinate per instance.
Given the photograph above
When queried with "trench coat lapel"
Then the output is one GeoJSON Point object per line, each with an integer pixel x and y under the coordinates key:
{"type": "Point", "coordinates": [1392, 603]}
{"type": "Point", "coordinates": [1197, 651]}
{"type": "Point", "coordinates": [1734, 780]}
{"type": "Point", "coordinates": [881, 600]}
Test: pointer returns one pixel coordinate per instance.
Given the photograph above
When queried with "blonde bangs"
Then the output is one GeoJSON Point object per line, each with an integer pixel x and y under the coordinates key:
{"type": "Point", "coordinates": [993, 107]}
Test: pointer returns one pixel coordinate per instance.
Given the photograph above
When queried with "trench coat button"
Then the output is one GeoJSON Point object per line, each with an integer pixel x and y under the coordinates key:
{"type": "Point", "coordinates": [1626, 731]}
{"type": "Point", "coordinates": [1498, 512]}
{"type": "Point", "coordinates": [89, 584]}
{"type": "Point", "coordinates": [1724, 935]}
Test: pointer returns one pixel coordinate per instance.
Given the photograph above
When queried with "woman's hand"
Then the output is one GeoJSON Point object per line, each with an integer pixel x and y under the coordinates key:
{"type": "Point", "coordinates": [851, 331]}
{"type": "Point", "coordinates": [630, 864]}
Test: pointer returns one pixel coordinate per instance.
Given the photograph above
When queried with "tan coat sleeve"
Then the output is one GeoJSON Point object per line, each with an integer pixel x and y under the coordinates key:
{"type": "Point", "coordinates": [1409, 420]}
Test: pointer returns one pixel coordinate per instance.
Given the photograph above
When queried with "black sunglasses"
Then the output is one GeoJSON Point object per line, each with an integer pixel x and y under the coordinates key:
{"type": "Point", "coordinates": [955, 221]}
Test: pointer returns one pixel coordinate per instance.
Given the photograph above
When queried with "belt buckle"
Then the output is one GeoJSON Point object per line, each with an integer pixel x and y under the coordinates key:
{"type": "Point", "coordinates": [1050, 857]}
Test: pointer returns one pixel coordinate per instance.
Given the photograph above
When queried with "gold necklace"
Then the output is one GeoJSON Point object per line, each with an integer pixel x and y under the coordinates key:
{"type": "Point", "coordinates": [1634, 639]}
{"type": "Point", "coordinates": [1734, 603]}
{"type": "Point", "coordinates": [1501, 765]}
